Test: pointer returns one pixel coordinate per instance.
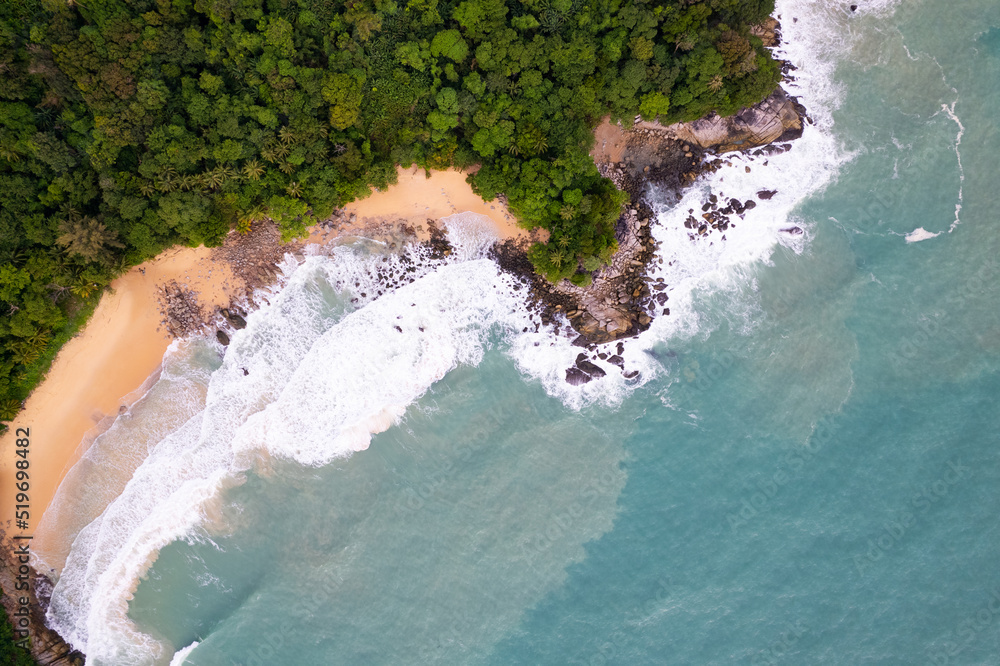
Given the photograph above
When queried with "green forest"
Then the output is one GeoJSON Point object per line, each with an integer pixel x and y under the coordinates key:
{"type": "Point", "coordinates": [128, 126]}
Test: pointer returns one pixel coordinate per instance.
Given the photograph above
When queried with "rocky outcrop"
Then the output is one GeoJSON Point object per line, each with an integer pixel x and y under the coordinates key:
{"type": "Point", "coordinates": [768, 31]}
{"type": "Point", "coordinates": [47, 647]}
{"type": "Point", "coordinates": [615, 304]}
{"type": "Point", "coordinates": [622, 301]}
{"type": "Point", "coordinates": [777, 118]}
{"type": "Point", "coordinates": [181, 310]}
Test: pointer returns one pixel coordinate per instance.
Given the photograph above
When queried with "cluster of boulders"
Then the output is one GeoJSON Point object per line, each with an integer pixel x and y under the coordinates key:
{"type": "Point", "coordinates": [181, 310]}
{"type": "Point", "coordinates": [47, 647]}
{"type": "Point", "coordinates": [230, 319]}
{"type": "Point", "coordinates": [716, 216]}
{"type": "Point", "coordinates": [338, 219]}
{"type": "Point", "coordinates": [769, 32]}
{"type": "Point", "coordinates": [253, 257]}
{"type": "Point", "coordinates": [615, 305]}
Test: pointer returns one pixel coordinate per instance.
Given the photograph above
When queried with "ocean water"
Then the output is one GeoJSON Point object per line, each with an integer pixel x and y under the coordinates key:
{"type": "Point", "coordinates": [806, 469]}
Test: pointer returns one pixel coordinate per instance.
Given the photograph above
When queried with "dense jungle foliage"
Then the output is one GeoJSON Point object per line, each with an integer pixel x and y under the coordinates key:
{"type": "Point", "coordinates": [128, 126]}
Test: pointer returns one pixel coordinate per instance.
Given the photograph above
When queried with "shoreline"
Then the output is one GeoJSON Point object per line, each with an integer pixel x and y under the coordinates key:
{"type": "Point", "coordinates": [125, 340]}
{"type": "Point", "coordinates": [111, 362]}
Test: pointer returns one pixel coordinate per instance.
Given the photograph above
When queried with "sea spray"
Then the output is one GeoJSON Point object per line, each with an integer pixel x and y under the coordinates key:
{"type": "Point", "coordinates": [112, 458]}
{"type": "Point", "coordinates": [307, 380]}
{"type": "Point", "coordinates": [250, 399]}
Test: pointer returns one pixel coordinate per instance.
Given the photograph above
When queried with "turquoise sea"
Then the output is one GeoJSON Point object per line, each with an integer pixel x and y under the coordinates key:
{"type": "Point", "coordinates": [805, 471]}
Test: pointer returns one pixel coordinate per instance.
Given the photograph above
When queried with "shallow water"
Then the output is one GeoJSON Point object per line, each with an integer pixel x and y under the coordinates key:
{"type": "Point", "coordinates": [805, 471]}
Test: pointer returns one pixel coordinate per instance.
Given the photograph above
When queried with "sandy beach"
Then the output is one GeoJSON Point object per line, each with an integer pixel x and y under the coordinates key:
{"type": "Point", "coordinates": [102, 370]}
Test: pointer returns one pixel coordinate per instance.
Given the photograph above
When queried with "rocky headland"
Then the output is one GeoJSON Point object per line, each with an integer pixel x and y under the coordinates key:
{"type": "Point", "coordinates": [622, 300]}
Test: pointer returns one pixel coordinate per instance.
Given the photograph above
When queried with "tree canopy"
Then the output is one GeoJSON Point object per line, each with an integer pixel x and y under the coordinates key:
{"type": "Point", "coordinates": [128, 126]}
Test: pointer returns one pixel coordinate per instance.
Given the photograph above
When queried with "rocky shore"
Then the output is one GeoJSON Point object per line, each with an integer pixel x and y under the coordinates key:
{"type": "Point", "coordinates": [47, 647]}
{"type": "Point", "coordinates": [622, 300]}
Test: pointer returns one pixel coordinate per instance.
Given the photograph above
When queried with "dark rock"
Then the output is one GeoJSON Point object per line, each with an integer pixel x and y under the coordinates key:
{"type": "Point", "coordinates": [576, 377]}
{"type": "Point", "coordinates": [630, 374]}
{"type": "Point", "coordinates": [617, 360]}
{"type": "Point", "coordinates": [590, 368]}
{"type": "Point", "coordinates": [792, 231]}
{"type": "Point", "coordinates": [234, 320]}
{"type": "Point", "coordinates": [766, 194]}
{"type": "Point", "coordinates": [222, 338]}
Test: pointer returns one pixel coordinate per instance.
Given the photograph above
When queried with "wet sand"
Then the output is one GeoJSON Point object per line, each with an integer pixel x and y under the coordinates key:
{"type": "Point", "coordinates": [102, 370]}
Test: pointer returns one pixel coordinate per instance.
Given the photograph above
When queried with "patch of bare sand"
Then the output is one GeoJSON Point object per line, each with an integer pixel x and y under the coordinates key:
{"type": "Point", "coordinates": [120, 347]}
{"type": "Point", "coordinates": [120, 350]}
{"type": "Point", "coordinates": [610, 142]}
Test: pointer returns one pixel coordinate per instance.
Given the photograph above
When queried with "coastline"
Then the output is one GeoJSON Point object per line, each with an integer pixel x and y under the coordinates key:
{"type": "Point", "coordinates": [104, 369]}
{"type": "Point", "coordinates": [125, 340]}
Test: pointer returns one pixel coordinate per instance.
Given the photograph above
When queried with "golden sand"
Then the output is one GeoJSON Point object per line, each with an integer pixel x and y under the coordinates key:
{"type": "Point", "coordinates": [100, 372]}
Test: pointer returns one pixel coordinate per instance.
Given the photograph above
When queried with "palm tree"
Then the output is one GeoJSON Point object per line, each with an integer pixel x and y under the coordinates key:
{"type": "Point", "coordinates": [188, 182]}
{"type": "Point", "coordinates": [167, 180]}
{"type": "Point", "coordinates": [294, 189]}
{"type": "Point", "coordinates": [228, 173]}
{"type": "Point", "coordinates": [715, 85]}
{"type": "Point", "coordinates": [212, 179]}
{"type": "Point", "coordinates": [557, 258]}
{"type": "Point", "coordinates": [286, 167]}
{"type": "Point", "coordinates": [246, 220]}
{"type": "Point", "coordinates": [29, 350]}
{"type": "Point", "coordinates": [9, 154]}
{"type": "Point", "coordinates": [88, 238]}
{"type": "Point", "coordinates": [147, 188]}
{"type": "Point", "coordinates": [84, 289]}
{"type": "Point", "coordinates": [9, 408]}
{"type": "Point", "coordinates": [287, 135]}
{"type": "Point", "coordinates": [253, 170]}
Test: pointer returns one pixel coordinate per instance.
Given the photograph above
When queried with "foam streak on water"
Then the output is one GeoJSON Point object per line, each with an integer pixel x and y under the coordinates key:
{"type": "Point", "coordinates": [306, 380]}
{"type": "Point", "coordinates": [311, 378]}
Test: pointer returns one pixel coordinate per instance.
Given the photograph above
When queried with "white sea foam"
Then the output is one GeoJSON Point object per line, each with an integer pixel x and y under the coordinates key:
{"type": "Point", "coordinates": [312, 377]}
{"type": "Point", "coordinates": [111, 460]}
{"type": "Point", "coordinates": [815, 37]}
{"type": "Point", "coordinates": [920, 234]}
{"type": "Point", "coordinates": [181, 655]}
{"type": "Point", "coordinates": [306, 380]}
